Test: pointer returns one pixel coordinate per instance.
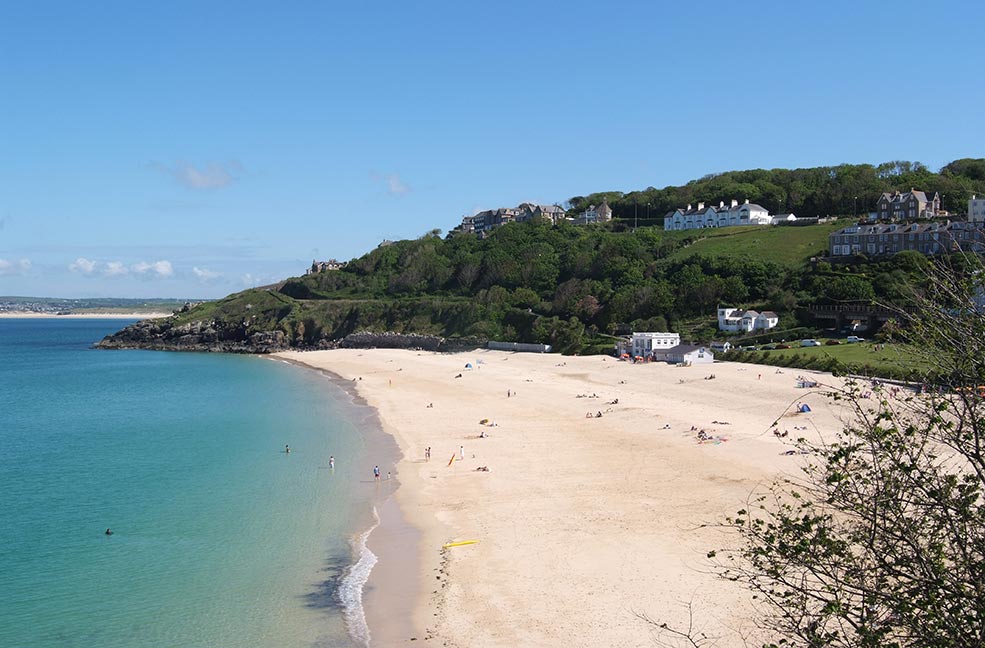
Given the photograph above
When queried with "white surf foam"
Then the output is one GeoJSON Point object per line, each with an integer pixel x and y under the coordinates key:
{"type": "Point", "coordinates": [351, 586]}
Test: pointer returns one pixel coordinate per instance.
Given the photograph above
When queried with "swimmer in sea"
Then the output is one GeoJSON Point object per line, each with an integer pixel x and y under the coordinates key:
{"type": "Point", "coordinates": [287, 449]}
{"type": "Point", "coordinates": [109, 531]}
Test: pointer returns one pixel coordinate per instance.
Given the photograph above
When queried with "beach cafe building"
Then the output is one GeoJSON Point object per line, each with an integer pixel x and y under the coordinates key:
{"type": "Point", "coordinates": [644, 345]}
{"type": "Point", "coordinates": [686, 354]}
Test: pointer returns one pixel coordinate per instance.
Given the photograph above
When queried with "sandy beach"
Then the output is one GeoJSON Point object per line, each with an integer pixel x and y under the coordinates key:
{"type": "Point", "coordinates": [584, 524]}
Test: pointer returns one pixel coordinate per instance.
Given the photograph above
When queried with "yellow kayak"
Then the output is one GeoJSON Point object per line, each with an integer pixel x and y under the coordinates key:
{"type": "Point", "coordinates": [458, 544]}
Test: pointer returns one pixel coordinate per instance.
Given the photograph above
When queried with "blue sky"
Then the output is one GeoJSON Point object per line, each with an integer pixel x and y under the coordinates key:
{"type": "Point", "coordinates": [189, 149]}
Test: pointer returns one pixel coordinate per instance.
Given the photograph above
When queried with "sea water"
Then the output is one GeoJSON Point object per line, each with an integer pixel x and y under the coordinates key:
{"type": "Point", "coordinates": [220, 537]}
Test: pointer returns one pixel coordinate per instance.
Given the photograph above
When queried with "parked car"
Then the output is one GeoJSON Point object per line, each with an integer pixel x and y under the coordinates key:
{"type": "Point", "coordinates": [832, 342]}
{"type": "Point", "coordinates": [769, 347]}
{"type": "Point", "coordinates": [782, 346]}
{"type": "Point", "coordinates": [809, 343]}
{"type": "Point", "coordinates": [854, 338]}
{"type": "Point", "coordinates": [748, 347]}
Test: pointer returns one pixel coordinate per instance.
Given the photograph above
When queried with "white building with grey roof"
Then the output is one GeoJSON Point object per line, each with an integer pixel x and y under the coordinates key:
{"type": "Point", "coordinates": [721, 216]}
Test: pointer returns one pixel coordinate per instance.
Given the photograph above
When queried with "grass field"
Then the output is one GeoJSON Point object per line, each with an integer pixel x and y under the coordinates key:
{"type": "Point", "coordinates": [889, 360]}
{"type": "Point", "coordinates": [788, 246]}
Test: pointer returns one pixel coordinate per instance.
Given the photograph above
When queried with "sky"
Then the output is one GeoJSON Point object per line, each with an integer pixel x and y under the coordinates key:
{"type": "Point", "coordinates": [192, 149]}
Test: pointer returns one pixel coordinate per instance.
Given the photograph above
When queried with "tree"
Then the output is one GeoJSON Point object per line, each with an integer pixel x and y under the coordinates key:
{"type": "Point", "coordinates": [881, 541]}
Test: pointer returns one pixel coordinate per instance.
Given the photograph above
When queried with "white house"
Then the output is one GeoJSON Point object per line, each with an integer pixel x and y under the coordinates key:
{"type": "Point", "coordinates": [690, 353]}
{"type": "Point", "coordinates": [724, 347]}
{"type": "Point", "coordinates": [734, 319]}
{"type": "Point", "coordinates": [782, 218]}
{"type": "Point", "coordinates": [721, 216]}
{"type": "Point", "coordinates": [645, 344]}
{"type": "Point", "coordinates": [976, 209]}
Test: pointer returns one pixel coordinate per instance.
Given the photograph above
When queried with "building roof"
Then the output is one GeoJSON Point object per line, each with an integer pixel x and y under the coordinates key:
{"type": "Point", "coordinates": [685, 348]}
{"type": "Point", "coordinates": [897, 197]}
{"type": "Point", "coordinates": [721, 208]}
{"type": "Point", "coordinates": [769, 314]}
{"type": "Point", "coordinates": [912, 228]}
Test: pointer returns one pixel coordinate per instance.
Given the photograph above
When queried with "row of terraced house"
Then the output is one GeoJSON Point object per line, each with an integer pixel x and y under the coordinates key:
{"type": "Point", "coordinates": [484, 221]}
{"type": "Point", "coordinates": [894, 235]}
{"type": "Point", "coordinates": [890, 238]}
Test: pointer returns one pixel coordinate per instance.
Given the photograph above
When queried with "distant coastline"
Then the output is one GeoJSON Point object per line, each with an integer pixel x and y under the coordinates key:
{"type": "Point", "coordinates": [112, 315]}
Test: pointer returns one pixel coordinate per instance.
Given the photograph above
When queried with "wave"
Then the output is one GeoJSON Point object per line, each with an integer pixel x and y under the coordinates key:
{"type": "Point", "coordinates": [350, 590]}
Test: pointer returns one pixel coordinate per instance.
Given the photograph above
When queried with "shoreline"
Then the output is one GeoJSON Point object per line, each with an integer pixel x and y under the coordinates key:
{"type": "Point", "coordinates": [390, 586]}
{"type": "Point", "coordinates": [33, 315]}
{"type": "Point", "coordinates": [583, 523]}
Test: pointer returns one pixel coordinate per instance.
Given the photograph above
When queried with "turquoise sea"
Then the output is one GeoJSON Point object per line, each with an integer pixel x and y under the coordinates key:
{"type": "Point", "coordinates": [220, 538]}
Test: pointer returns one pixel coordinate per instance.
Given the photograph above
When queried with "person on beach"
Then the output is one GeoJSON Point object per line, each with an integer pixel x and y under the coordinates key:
{"type": "Point", "coordinates": [331, 462]}
{"type": "Point", "coordinates": [376, 473]}
{"type": "Point", "coordinates": [427, 453]}
{"type": "Point", "coordinates": [461, 452]}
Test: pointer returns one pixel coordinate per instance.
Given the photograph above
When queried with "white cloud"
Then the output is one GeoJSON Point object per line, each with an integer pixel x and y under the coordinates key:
{"type": "Point", "coordinates": [115, 269]}
{"type": "Point", "coordinates": [82, 265]}
{"type": "Point", "coordinates": [395, 186]}
{"type": "Point", "coordinates": [214, 175]}
{"type": "Point", "coordinates": [160, 269]}
{"type": "Point", "coordinates": [9, 268]}
{"type": "Point", "coordinates": [206, 275]}
{"type": "Point", "coordinates": [151, 270]}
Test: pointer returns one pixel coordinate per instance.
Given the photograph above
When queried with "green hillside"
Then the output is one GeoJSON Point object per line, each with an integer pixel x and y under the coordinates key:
{"type": "Point", "coordinates": [788, 246]}
{"type": "Point", "coordinates": [575, 287]}
{"type": "Point", "coordinates": [571, 287]}
{"type": "Point", "coordinates": [845, 189]}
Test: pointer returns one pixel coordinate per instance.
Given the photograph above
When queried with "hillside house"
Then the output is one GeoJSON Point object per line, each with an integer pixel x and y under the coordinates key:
{"type": "Point", "coordinates": [600, 214]}
{"type": "Point", "coordinates": [487, 220]}
{"type": "Point", "coordinates": [323, 266]}
{"type": "Point", "coordinates": [722, 216]}
{"type": "Point", "coordinates": [745, 321]}
{"type": "Point", "coordinates": [911, 205]}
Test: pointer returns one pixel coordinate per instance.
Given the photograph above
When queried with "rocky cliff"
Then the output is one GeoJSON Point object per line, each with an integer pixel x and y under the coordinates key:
{"type": "Point", "coordinates": [218, 336]}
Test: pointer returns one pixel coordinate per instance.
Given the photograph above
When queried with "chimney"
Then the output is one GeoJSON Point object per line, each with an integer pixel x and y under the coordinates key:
{"type": "Point", "coordinates": [735, 203]}
{"type": "Point", "coordinates": [746, 202]}
{"type": "Point", "coordinates": [721, 204]}
{"type": "Point", "coordinates": [689, 206]}
{"type": "Point", "coordinates": [701, 206]}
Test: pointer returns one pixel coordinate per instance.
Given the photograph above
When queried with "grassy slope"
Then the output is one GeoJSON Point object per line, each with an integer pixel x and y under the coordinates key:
{"type": "Point", "coordinates": [890, 359]}
{"type": "Point", "coordinates": [787, 246]}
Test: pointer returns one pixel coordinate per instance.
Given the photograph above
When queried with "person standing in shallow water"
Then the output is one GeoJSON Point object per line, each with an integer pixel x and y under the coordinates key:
{"type": "Point", "coordinates": [331, 462]}
{"type": "Point", "coordinates": [376, 473]}
{"type": "Point", "coordinates": [287, 449]}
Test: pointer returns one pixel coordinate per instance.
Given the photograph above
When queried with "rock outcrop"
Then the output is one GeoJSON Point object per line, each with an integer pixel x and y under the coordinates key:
{"type": "Point", "coordinates": [216, 335]}
{"type": "Point", "coordinates": [222, 337]}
